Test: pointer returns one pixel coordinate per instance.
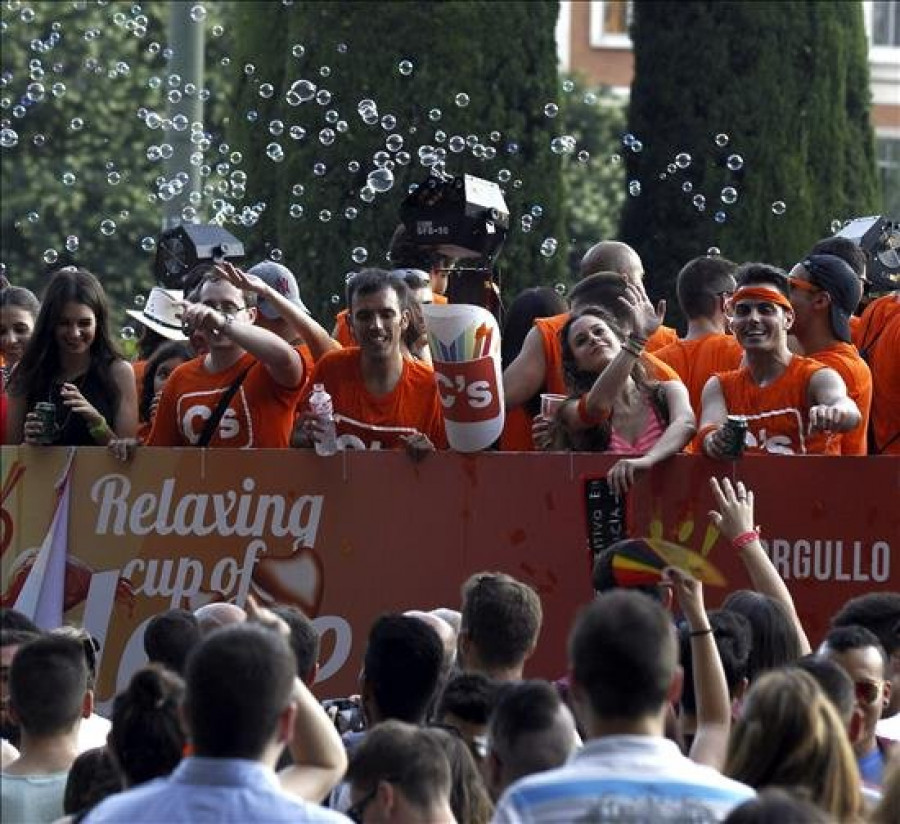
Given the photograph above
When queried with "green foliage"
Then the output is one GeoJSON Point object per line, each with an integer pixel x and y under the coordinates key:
{"type": "Point", "coordinates": [788, 84]}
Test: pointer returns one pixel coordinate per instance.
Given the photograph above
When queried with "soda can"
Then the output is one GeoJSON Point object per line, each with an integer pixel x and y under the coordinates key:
{"type": "Point", "coordinates": [46, 413]}
{"type": "Point", "coordinates": [735, 431]}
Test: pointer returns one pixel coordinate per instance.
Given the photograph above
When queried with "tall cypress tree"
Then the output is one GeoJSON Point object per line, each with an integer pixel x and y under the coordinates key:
{"type": "Point", "coordinates": [784, 88]}
{"type": "Point", "coordinates": [498, 59]}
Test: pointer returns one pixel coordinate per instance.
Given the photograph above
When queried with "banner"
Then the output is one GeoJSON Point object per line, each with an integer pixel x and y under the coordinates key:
{"type": "Point", "coordinates": [358, 534]}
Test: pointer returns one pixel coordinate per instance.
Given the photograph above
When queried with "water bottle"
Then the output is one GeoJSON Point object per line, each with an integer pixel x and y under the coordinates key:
{"type": "Point", "coordinates": [321, 407]}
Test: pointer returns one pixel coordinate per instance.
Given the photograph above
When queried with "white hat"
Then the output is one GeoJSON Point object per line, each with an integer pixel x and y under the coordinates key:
{"type": "Point", "coordinates": [162, 313]}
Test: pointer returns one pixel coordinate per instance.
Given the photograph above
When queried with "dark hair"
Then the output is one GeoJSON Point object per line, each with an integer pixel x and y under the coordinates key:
{"type": "Point", "coordinates": [846, 250]}
{"type": "Point", "coordinates": [623, 677]}
{"type": "Point", "coordinates": [40, 362]}
{"type": "Point", "coordinates": [20, 297]}
{"type": "Point", "coordinates": [603, 575]}
{"type": "Point", "coordinates": [774, 638]}
{"type": "Point", "coordinates": [732, 634]}
{"type": "Point", "coordinates": [402, 665]}
{"type": "Point", "coordinates": [12, 619]}
{"type": "Point", "coordinates": [149, 340]}
{"type": "Point", "coordinates": [536, 302]}
{"type": "Point", "coordinates": [762, 273]}
{"type": "Point", "coordinates": [409, 757]}
{"type": "Point", "coordinates": [92, 777]}
{"type": "Point", "coordinates": [47, 684]}
{"type": "Point", "coordinates": [501, 617]}
{"type": "Point", "coordinates": [843, 639]}
{"type": "Point", "coordinates": [208, 273]}
{"type": "Point", "coordinates": [469, 800]}
{"type": "Point", "coordinates": [239, 680]}
{"type": "Point", "coordinates": [602, 289]}
{"type": "Point", "coordinates": [405, 253]}
{"type": "Point", "coordinates": [470, 696]}
{"type": "Point", "coordinates": [169, 349]}
{"type": "Point", "coordinates": [372, 281]}
{"type": "Point", "coordinates": [878, 612]}
{"type": "Point", "coordinates": [777, 805]}
{"type": "Point", "coordinates": [528, 712]}
{"type": "Point", "coordinates": [304, 640]}
{"type": "Point", "coordinates": [701, 281]}
{"type": "Point", "coordinates": [146, 736]}
{"type": "Point", "coordinates": [833, 680]}
{"type": "Point", "coordinates": [170, 637]}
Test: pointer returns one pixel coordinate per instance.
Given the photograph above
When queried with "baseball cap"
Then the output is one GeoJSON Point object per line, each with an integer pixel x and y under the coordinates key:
{"type": "Point", "coordinates": [835, 276]}
{"type": "Point", "coordinates": [162, 313]}
{"type": "Point", "coordinates": [282, 280]}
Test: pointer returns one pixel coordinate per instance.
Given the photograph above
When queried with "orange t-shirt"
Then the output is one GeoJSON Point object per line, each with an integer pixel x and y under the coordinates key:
{"type": "Point", "coordinates": [845, 360]}
{"type": "Point", "coordinates": [777, 414]}
{"type": "Point", "coordinates": [342, 333]}
{"type": "Point", "coordinates": [879, 344]}
{"type": "Point", "coordinates": [439, 299]}
{"type": "Point", "coordinates": [664, 336]}
{"type": "Point", "coordinates": [698, 359]}
{"type": "Point", "coordinates": [855, 329]}
{"type": "Point", "coordinates": [516, 435]}
{"type": "Point", "coordinates": [140, 369]}
{"type": "Point", "coordinates": [259, 415]}
{"type": "Point", "coordinates": [366, 421]}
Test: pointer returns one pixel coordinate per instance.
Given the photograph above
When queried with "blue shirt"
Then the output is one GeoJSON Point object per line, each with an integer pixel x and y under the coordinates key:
{"type": "Point", "coordinates": [211, 790]}
{"type": "Point", "coordinates": [871, 767]}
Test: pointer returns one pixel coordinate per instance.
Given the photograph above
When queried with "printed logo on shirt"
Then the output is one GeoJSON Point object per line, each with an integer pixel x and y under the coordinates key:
{"type": "Point", "coordinates": [468, 390]}
{"type": "Point", "coordinates": [235, 428]}
{"type": "Point", "coordinates": [353, 434]}
{"type": "Point", "coordinates": [777, 431]}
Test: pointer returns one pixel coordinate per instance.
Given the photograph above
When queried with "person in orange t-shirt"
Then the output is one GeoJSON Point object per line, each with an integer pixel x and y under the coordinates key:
{"type": "Point", "coordinates": [381, 399]}
{"type": "Point", "coordinates": [704, 285]}
{"type": "Point", "coordinates": [261, 411]}
{"type": "Point", "coordinates": [792, 405]}
{"type": "Point", "coordinates": [825, 292]}
{"type": "Point", "coordinates": [879, 344]}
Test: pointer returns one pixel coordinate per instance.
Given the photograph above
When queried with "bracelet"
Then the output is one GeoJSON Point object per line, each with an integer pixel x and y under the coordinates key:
{"type": "Point", "coordinates": [98, 430]}
{"type": "Point", "coordinates": [699, 632]}
{"type": "Point", "coordinates": [745, 538]}
{"type": "Point", "coordinates": [637, 339]}
{"type": "Point", "coordinates": [632, 348]}
{"type": "Point", "coordinates": [586, 417]}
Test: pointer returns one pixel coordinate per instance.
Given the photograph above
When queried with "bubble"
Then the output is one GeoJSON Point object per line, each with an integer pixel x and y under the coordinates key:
{"type": "Point", "coordinates": [324, 215]}
{"type": "Point", "coordinates": [671, 168]}
{"type": "Point", "coordinates": [388, 122]}
{"type": "Point", "coordinates": [636, 146]}
{"type": "Point", "coordinates": [277, 255]}
{"type": "Point", "coordinates": [297, 132]}
{"type": "Point", "coordinates": [266, 90]}
{"type": "Point", "coordinates": [8, 138]}
{"type": "Point", "coordinates": [198, 13]}
{"type": "Point", "coordinates": [341, 48]}
{"type": "Point", "coordinates": [434, 115]}
{"type": "Point", "coordinates": [76, 124]}
{"type": "Point", "coordinates": [699, 202]}
{"type": "Point", "coordinates": [353, 166]}
{"type": "Point", "coordinates": [326, 137]}
{"type": "Point", "coordinates": [342, 126]}
{"type": "Point", "coordinates": [729, 195]}
{"type": "Point", "coordinates": [537, 210]}
{"type": "Point", "coordinates": [551, 110]}
{"type": "Point", "coordinates": [461, 100]}
{"type": "Point", "coordinates": [249, 69]}
{"type": "Point", "coordinates": [127, 333]}
{"type": "Point", "coordinates": [403, 158]}
{"type": "Point", "coordinates": [72, 243]}
{"type": "Point", "coordinates": [319, 169]}
{"type": "Point", "coordinates": [394, 143]}
{"type": "Point", "coordinates": [359, 254]}
{"type": "Point", "coordinates": [325, 71]}
{"type": "Point", "coordinates": [300, 91]}
{"type": "Point", "coordinates": [836, 226]}
{"type": "Point", "coordinates": [331, 116]}
{"type": "Point", "coordinates": [405, 67]}
{"type": "Point", "coordinates": [108, 227]}
{"type": "Point", "coordinates": [720, 217]}
{"type": "Point", "coordinates": [139, 301]}
{"type": "Point", "coordinates": [549, 246]}
{"type": "Point", "coordinates": [687, 187]}
{"type": "Point", "coordinates": [584, 156]}
{"type": "Point", "coordinates": [351, 212]}
{"type": "Point", "coordinates": [367, 194]}
{"type": "Point", "coordinates": [517, 184]}
{"type": "Point", "coordinates": [634, 187]}
{"type": "Point", "coordinates": [297, 189]}
{"type": "Point", "coordinates": [682, 160]}
{"type": "Point", "coordinates": [615, 159]}
{"type": "Point", "coordinates": [627, 139]}
{"type": "Point", "coordinates": [735, 162]}
{"type": "Point", "coordinates": [275, 152]}
{"type": "Point", "coordinates": [713, 251]}
{"type": "Point", "coordinates": [298, 50]}
{"type": "Point", "coordinates": [335, 300]}
{"type": "Point", "coordinates": [252, 116]}
{"type": "Point", "coordinates": [323, 97]}
{"type": "Point", "coordinates": [779, 207]}
{"type": "Point", "coordinates": [218, 31]}
{"type": "Point", "coordinates": [50, 256]}
{"type": "Point", "coordinates": [560, 289]}
{"type": "Point", "coordinates": [504, 175]}
{"type": "Point", "coordinates": [148, 244]}
{"type": "Point", "coordinates": [721, 140]}
{"type": "Point", "coordinates": [380, 180]}
{"type": "Point", "coordinates": [565, 144]}
{"type": "Point", "coordinates": [69, 178]}
{"type": "Point", "coordinates": [58, 89]}
{"type": "Point", "coordinates": [456, 143]}
{"type": "Point", "coordinates": [568, 85]}
{"type": "Point", "coordinates": [527, 222]}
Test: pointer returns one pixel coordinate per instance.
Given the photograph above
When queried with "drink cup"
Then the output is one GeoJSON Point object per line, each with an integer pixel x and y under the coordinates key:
{"type": "Point", "coordinates": [550, 404]}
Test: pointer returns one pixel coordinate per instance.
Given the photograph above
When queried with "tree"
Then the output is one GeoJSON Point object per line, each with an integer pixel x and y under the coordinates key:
{"type": "Point", "coordinates": [770, 101]}
{"type": "Point", "coordinates": [466, 79]}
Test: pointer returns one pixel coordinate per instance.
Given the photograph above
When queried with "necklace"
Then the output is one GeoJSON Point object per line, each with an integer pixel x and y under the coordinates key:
{"type": "Point", "coordinates": [55, 397]}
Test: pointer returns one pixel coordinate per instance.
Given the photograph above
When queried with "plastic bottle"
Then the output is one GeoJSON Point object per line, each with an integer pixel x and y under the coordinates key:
{"type": "Point", "coordinates": [321, 407]}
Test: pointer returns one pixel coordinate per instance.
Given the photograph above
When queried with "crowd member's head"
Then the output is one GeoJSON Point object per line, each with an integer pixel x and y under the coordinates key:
{"type": "Point", "coordinates": [90, 647]}
{"type": "Point", "coordinates": [846, 250]}
{"type": "Point", "coordinates": [400, 773]}
{"type": "Point", "coordinates": [159, 319]}
{"type": "Point", "coordinates": [215, 291]}
{"type": "Point", "coordinates": [12, 619]}
{"type": "Point", "coordinates": [838, 688]}
{"type": "Point", "coordinates": [405, 253]}
{"type": "Point", "coordinates": [18, 312]}
{"type": "Point", "coordinates": [612, 256]}
{"type": "Point", "coordinates": [93, 776]}
{"type": "Point", "coordinates": [164, 360]}
{"type": "Point", "coordinates": [11, 639]}
{"type": "Point", "coordinates": [48, 688]}
{"type": "Point", "coordinates": [469, 799]}
{"type": "Point", "coordinates": [536, 302]}
{"type": "Point", "coordinates": [704, 285]}
{"type": "Point", "coordinates": [761, 312]}
{"type": "Point", "coordinates": [445, 632]}
{"type": "Point", "coordinates": [860, 654]}
{"type": "Point", "coordinates": [777, 805]}
{"type": "Point", "coordinates": [774, 641]}
{"type": "Point", "coordinates": [501, 620]}
{"type": "Point", "coordinates": [378, 307]}
{"type": "Point", "coordinates": [283, 281]}
{"type": "Point", "coordinates": [212, 616]}
{"type": "Point", "coordinates": [878, 612]}
{"type": "Point", "coordinates": [603, 289]}
{"type": "Point", "coordinates": [304, 642]}
{"type": "Point", "coordinates": [531, 730]}
{"type": "Point", "coordinates": [146, 739]}
{"type": "Point", "coordinates": [238, 696]}
{"type": "Point", "coordinates": [401, 669]}
{"type": "Point", "coordinates": [825, 292]}
{"type": "Point", "coordinates": [790, 735]}
{"type": "Point", "coordinates": [170, 637]}
{"type": "Point", "coordinates": [617, 678]}
{"type": "Point", "coordinates": [606, 578]}
{"type": "Point", "coordinates": [465, 705]}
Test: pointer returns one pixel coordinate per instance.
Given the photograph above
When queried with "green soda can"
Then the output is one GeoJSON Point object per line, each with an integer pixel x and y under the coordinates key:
{"type": "Point", "coordinates": [735, 432]}
{"type": "Point", "coordinates": [46, 413]}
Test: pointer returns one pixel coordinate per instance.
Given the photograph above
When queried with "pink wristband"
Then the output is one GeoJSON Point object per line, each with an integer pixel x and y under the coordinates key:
{"type": "Point", "coordinates": [745, 538]}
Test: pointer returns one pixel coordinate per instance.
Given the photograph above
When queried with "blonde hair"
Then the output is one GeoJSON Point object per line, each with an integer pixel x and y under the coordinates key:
{"type": "Point", "coordinates": [790, 735]}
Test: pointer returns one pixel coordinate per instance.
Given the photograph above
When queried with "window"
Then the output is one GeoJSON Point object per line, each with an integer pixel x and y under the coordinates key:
{"type": "Point", "coordinates": [609, 22]}
{"type": "Point", "coordinates": [886, 23]}
{"type": "Point", "coordinates": [887, 150]}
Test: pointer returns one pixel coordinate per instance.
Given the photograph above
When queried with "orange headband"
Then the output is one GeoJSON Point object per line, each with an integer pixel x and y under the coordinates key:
{"type": "Point", "coordinates": [761, 293]}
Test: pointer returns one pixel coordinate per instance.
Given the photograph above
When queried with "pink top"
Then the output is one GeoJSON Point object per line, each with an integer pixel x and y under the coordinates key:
{"type": "Point", "coordinates": [651, 434]}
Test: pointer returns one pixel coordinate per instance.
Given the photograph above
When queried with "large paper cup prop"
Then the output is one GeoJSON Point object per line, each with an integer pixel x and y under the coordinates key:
{"type": "Point", "coordinates": [465, 350]}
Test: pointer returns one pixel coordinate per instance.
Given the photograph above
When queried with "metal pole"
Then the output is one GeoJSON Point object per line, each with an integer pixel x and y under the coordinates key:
{"type": "Point", "coordinates": [186, 39]}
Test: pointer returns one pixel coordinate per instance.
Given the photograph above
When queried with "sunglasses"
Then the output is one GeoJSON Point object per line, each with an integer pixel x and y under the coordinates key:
{"type": "Point", "coordinates": [358, 810]}
{"type": "Point", "coordinates": [867, 692]}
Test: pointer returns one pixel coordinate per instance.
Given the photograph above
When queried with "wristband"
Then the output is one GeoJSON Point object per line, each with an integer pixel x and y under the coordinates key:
{"type": "Point", "coordinates": [706, 430]}
{"type": "Point", "coordinates": [699, 632]}
{"type": "Point", "coordinates": [586, 417]}
{"type": "Point", "coordinates": [632, 348]}
{"type": "Point", "coordinates": [637, 339]}
{"type": "Point", "coordinates": [744, 539]}
{"type": "Point", "coordinates": [98, 430]}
